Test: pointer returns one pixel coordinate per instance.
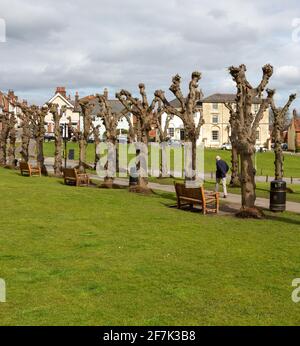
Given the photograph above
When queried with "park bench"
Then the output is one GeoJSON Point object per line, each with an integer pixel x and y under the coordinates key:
{"type": "Point", "coordinates": [72, 177]}
{"type": "Point", "coordinates": [197, 196]}
{"type": "Point", "coordinates": [27, 170]}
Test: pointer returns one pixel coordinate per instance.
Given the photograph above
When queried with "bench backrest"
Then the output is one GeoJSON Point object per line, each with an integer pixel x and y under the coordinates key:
{"type": "Point", "coordinates": [196, 193]}
{"type": "Point", "coordinates": [70, 173]}
{"type": "Point", "coordinates": [24, 166]}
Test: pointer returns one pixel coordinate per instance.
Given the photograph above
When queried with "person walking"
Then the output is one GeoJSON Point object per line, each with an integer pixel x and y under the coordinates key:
{"type": "Point", "coordinates": [221, 172]}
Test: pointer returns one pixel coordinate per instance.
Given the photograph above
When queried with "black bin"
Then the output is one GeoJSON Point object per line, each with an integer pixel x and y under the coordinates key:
{"type": "Point", "coordinates": [277, 195]}
{"type": "Point", "coordinates": [71, 155]}
{"type": "Point", "coordinates": [133, 178]}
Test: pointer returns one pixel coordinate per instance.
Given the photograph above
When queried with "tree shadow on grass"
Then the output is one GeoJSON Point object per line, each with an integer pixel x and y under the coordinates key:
{"type": "Point", "coordinates": [166, 195]}
{"type": "Point", "coordinates": [282, 218]}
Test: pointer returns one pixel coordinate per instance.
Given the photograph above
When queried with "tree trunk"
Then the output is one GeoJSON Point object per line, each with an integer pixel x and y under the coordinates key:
{"type": "Point", "coordinates": [163, 169]}
{"type": "Point", "coordinates": [40, 155]}
{"type": "Point", "coordinates": [142, 165]}
{"type": "Point", "coordinates": [3, 144]}
{"type": "Point", "coordinates": [247, 181]}
{"type": "Point", "coordinates": [58, 148]}
{"type": "Point", "coordinates": [111, 158]}
{"type": "Point", "coordinates": [82, 154]}
{"type": "Point", "coordinates": [278, 161]}
{"type": "Point", "coordinates": [190, 162]}
{"type": "Point", "coordinates": [25, 147]}
{"type": "Point", "coordinates": [3, 153]}
{"type": "Point", "coordinates": [12, 149]}
{"type": "Point", "coordinates": [235, 180]}
{"type": "Point", "coordinates": [97, 156]}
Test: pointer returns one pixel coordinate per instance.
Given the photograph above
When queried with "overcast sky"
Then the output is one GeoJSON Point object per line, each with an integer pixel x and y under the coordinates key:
{"type": "Point", "coordinates": [88, 45]}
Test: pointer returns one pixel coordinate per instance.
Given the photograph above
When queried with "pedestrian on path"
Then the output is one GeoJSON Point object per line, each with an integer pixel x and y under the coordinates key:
{"type": "Point", "coordinates": [221, 172]}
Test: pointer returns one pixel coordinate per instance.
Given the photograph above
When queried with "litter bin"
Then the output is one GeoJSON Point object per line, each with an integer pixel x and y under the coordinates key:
{"type": "Point", "coordinates": [277, 195]}
{"type": "Point", "coordinates": [71, 154]}
{"type": "Point", "coordinates": [133, 178]}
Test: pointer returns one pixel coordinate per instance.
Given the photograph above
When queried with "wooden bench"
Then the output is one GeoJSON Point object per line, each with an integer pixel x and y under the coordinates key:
{"type": "Point", "coordinates": [191, 196]}
{"type": "Point", "coordinates": [72, 177]}
{"type": "Point", "coordinates": [27, 170]}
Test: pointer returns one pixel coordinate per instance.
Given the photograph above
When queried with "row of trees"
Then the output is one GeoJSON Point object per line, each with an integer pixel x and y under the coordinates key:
{"type": "Point", "coordinates": [147, 114]}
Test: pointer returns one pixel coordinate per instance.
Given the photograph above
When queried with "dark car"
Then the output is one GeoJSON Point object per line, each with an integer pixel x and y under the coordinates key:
{"type": "Point", "coordinates": [49, 137]}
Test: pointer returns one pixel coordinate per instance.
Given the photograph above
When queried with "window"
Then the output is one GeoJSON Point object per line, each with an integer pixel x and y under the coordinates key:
{"type": "Point", "coordinates": [171, 131]}
{"type": "Point", "coordinates": [215, 135]}
{"type": "Point", "coordinates": [215, 118]}
{"type": "Point", "coordinates": [257, 135]}
{"type": "Point", "coordinates": [215, 105]}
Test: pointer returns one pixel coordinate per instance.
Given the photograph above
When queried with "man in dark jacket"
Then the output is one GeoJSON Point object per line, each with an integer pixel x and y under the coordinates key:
{"type": "Point", "coordinates": [222, 169]}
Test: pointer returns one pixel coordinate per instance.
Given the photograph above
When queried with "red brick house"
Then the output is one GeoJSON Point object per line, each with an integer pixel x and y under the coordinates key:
{"type": "Point", "coordinates": [294, 133]}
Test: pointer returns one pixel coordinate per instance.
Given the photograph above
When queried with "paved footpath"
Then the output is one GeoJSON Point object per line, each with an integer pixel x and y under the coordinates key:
{"type": "Point", "coordinates": [231, 198]}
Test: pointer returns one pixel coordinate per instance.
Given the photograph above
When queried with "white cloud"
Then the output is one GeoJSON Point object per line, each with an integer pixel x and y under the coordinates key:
{"type": "Point", "coordinates": [89, 44]}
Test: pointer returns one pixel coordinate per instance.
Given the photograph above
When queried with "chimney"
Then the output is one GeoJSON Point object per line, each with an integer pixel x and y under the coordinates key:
{"type": "Point", "coordinates": [76, 101]}
{"type": "Point", "coordinates": [105, 93]}
{"type": "Point", "coordinates": [61, 90]}
{"type": "Point", "coordinates": [11, 95]}
{"type": "Point", "coordinates": [295, 115]}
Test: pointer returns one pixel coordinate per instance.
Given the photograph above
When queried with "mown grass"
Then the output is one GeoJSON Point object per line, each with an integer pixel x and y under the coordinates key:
{"type": "Point", "coordinates": [88, 256]}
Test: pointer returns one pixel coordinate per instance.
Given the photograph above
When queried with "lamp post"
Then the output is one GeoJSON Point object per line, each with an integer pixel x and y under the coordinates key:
{"type": "Point", "coordinates": [65, 137]}
{"type": "Point", "coordinates": [65, 143]}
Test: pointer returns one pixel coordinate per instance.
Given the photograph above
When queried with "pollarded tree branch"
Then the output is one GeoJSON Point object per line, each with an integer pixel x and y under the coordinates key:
{"type": "Point", "coordinates": [267, 74]}
{"type": "Point", "coordinates": [169, 109]}
{"type": "Point", "coordinates": [263, 107]}
{"type": "Point", "coordinates": [176, 90]}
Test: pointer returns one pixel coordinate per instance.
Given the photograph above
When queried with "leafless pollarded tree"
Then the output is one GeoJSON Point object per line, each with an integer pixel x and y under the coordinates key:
{"type": "Point", "coordinates": [187, 111]}
{"type": "Point", "coordinates": [279, 115]}
{"type": "Point", "coordinates": [4, 134]}
{"type": "Point", "coordinates": [235, 179]}
{"type": "Point", "coordinates": [57, 115]}
{"type": "Point", "coordinates": [26, 134]}
{"type": "Point", "coordinates": [37, 121]}
{"type": "Point", "coordinates": [162, 133]}
{"type": "Point", "coordinates": [86, 110]}
{"type": "Point", "coordinates": [12, 141]}
{"type": "Point", "coordinates": [246, 123]}
{"type": "Point", "coordinates": [143, 113]}
{"type": "Point", "coordinates": [96, 135]}
{"type": "Point", "coordinates": [110, 120]}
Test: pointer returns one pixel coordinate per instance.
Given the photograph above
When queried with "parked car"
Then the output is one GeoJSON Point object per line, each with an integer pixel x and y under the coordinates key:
{"type": "Point", "coordinates": [226, 146]}
{"type": "Point", "coordinates": [284, 146]}
{"type": "Point", "coordinates": [175, 142]}
{"type": "Point", "coordinates": [260, 149]}
{"type": "Point", "coordinates": [49, 137]}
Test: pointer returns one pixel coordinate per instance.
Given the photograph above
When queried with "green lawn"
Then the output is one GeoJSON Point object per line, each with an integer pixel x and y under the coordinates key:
{"type": "Point", "coordinates": [88, 256]}
{"type": "Point", "coordinates": [264, 161]}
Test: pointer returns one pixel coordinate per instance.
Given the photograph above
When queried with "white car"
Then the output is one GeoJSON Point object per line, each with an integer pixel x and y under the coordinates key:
{"type": "Point", "coordinates": [260, 149]}
{"type": "Point", "coordinates": [226, 146]}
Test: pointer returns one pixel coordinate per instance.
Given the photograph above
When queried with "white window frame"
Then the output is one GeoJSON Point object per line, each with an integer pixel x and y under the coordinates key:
{"type": "Point", "coordinates": [171, 131]}
{"type": "Point", "coordinates": [212, 135]}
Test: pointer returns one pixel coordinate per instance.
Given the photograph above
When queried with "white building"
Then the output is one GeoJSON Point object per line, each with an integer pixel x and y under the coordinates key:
{"type": "Point", "coordinates": [61, 99]}
{"type": "Point", "coordinates": [116, 107]}
{"type": "Point", "coordinates": [216, 129]}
